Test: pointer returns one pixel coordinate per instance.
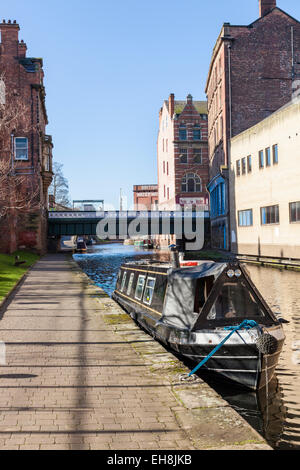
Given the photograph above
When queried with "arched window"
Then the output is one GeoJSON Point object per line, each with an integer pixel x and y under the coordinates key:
{"type": "Point", "coordinates": [182, 132]}
{"type": "Point", "coordinates": [196, 132]}
{"type": "Point", "coordinates": [191, 183]}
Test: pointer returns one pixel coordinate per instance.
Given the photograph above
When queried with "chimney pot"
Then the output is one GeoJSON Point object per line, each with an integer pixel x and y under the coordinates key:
{"type": "Point", "coordinates": [171, 104]}
{"type": "Point", "coordinates": [265, 6]}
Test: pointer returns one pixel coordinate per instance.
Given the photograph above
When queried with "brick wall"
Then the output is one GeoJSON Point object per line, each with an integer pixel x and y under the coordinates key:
{"type": "Point", "coordinates": [250, 77]}
{"type": "Point", "coordinates": [145, 197]}
{"type": "Point", "coordinates": [23, 98]}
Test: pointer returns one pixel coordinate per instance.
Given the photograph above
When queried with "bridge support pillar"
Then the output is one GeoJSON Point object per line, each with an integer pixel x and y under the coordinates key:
{"type": "Point", "coordinates": [53, 245]}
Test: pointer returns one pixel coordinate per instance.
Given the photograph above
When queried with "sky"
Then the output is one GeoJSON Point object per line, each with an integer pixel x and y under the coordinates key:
{"type": "Point", "coordinates": [109, 65]}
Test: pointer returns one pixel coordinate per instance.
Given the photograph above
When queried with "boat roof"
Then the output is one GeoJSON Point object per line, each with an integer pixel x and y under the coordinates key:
{"type": "Point", "coordinates": [189, 269]}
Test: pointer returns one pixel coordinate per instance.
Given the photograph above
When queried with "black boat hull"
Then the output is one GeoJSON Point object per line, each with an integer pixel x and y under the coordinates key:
{"type": "Point", "coordinates": [238, 361]}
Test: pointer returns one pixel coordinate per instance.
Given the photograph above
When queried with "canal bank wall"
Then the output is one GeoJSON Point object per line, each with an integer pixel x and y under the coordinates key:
{"type": "Point", "coordinates": [265, 261]}
{"type": "Point", "coordinates": [207, 419]}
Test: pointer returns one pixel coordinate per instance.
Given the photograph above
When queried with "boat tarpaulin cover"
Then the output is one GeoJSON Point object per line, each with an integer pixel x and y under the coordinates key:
{"type": "Point", "coordinates": [206, 268]}
{"type": "Point", "coordinates": [179, 306]}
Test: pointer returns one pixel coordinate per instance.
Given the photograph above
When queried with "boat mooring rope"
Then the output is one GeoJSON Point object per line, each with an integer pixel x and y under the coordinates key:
{"type": "Point", "coordinates": [266, 344]}
{"type": "Point", "coordinates": [246, 324]}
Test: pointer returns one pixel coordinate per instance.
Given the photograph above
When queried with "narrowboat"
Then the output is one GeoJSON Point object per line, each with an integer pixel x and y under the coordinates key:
{"type": "Point", "coordinates": [148, 244]}
{"type": "Point", "coordinates": [191, 307]}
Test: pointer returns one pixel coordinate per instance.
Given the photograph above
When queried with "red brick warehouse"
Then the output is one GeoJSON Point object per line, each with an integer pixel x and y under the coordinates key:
{"type": "Point", "coordinates": [25, 146]}
{"type": "Point", "coordinates": [182, 157]}
{"type": "Point", "coordinates": [252, 73]}
{"type": "Point", "coordinates": [182, 154]}
{"type": "Point", "coordinates": [145, 197]}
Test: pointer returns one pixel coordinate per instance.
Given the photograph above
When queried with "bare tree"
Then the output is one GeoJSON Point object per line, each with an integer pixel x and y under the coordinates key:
{"type": "Point", "coordinates": [18, 193]}
{"type": "Point", "coordinates": [59, 187]}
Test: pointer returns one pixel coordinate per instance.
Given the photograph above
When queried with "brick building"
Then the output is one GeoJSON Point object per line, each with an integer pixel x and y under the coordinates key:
{"type": "Point", "coordinates": [182, 154]}
{"type": "Point", "coordinates": [182, 157]}
{"type": "Point", "coordinates": [253, 72]}
{"type": "Point", "coordinates": [145, 197]}
{"type": "Point", "coordinates": [24, 144]}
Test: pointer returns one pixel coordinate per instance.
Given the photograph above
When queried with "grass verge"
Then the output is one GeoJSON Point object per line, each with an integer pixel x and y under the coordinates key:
{"type": "Point", "coordinates": [10, 274]}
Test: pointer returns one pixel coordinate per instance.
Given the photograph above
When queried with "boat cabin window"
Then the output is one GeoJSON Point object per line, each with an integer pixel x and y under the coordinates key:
{"type": "Point", "coordinates": [203, 288]}
{"type": "Point", "coordinates": [140, 287]}
{"type": "Point", "coordinates": [130, 284]}
{"type": "Point", "coordinates": [123, 281]}
{"type": "Point", "coordinates": [235, 301]}
{"type": "Point", "coordinates": [149, 290]}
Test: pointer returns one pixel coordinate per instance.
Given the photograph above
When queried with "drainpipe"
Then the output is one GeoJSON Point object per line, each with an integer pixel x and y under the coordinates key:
{"type": "Point", "coordinates": [293, 61]}
{"type": "Point", "coordinates": [12, 150]}
{"type": "Point", "coordinates": [229, 145]}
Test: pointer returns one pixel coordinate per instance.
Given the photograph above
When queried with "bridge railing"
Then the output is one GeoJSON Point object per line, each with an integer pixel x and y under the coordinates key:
{"type": "Point", "coordinates": [56, 215]}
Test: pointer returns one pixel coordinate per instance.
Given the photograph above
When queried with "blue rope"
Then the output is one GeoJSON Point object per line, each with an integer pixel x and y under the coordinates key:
{"type": "Point", "coordinates": [246, 324]}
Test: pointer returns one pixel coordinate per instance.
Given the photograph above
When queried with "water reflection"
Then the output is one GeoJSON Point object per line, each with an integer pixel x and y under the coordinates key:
{"type": "Point", "coordinates": [102, 262]}
{"type": "Point", "coordinates": [281, 289]}
{"type": "Point", "coordinates": [274, 411]}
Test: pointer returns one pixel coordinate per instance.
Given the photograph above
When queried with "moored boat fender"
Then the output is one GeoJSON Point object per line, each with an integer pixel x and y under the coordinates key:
{"type": "Point", "coordinates": [267, 344]}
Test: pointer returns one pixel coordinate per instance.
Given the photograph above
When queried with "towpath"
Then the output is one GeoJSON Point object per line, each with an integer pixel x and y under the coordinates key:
{"type": "Point", "coordinates": [79, 374]}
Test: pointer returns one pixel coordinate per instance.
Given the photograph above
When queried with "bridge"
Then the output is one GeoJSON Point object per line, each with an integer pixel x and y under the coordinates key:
{"type": "Point", "coordinates": [123, 224]}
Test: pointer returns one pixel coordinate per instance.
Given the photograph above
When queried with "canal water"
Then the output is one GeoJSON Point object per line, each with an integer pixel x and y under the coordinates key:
{"type": "Point", "coordinates": [273, 411]}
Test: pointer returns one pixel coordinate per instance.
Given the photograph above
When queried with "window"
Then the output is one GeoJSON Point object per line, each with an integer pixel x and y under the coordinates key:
{"type": "Point", "coordinates": [123, 281]}
{"type": "Point", "coordinates": [183, 155]}
{"type": "Point", "coordinates": [167, 168]}
{"type": "Point", "coordinates": [196, 132]}
{"type": "Point", "coordinates": [275, 154]}
{"type": "Point", "coordinates": [130, 284]}
{"type": "Point", "coordinates": [268, 156]}
{"type": "Point", "coordinates": [149, 290]}
{"type": "Point", "coordinates": [182, 132]}
{"type": "Point", "coordinates": [245, 218]}
{"type": "Point", "coordinates": [269, 215]}
{"type": "Point", "coordinates": [218, 204]}
{"type": "Point", "coordinates": [164, 167]}
{"type": "Point", "coordinates": [197, 155]}
{"type": "Point", "coordinates": [48, 160]}
{"type": "Point", "coordinates": [221, 128]}
{"type": "Point", "coordinates": [243, 166]}
{"type": "Point", "coordinates": [238, 167]}
{"type": "Point", "coordinates": [261, 158]}
{"type": "Point", "coordinates": [235, 301]}
{"type": "Point", "coordinates": [168, 193]}
{"type": "Point", "coordinates": [249, 163]}
{"type": "Point", "coordinates": [295, 211]}
{"type": "Point", "coordinates": [191, 183]}
{"type": "Point", "coordinates": [21, 148]}
{"type": "Point", "coordinates": [140, 287]}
